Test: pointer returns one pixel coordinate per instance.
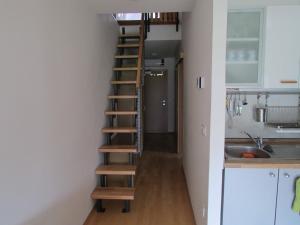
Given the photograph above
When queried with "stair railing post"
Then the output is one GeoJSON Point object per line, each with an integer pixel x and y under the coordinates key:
{"type": "Point", "coordinates": [177, 22]}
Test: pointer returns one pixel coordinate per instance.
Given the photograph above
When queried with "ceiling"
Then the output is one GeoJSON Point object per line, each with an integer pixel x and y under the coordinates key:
{"type": "Point", "coordinates": [161, 49]}
{"type": "Point", "coordinates": [115, 6]}
{"type": "Point", "coordinates": [259, 3]}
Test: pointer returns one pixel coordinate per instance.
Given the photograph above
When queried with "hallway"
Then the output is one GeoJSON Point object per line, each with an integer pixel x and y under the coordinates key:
{"type": "Point", "coordinates": [160, 142]}
{"type": "Point", "coordinates": [161, 196]}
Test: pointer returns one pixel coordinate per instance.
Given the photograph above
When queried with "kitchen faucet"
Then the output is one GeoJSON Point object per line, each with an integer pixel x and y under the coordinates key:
{"type": "Point", "coordinates": [259, 141]}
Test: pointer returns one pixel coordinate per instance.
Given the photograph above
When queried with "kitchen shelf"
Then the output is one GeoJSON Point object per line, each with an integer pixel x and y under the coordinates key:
{"type": "Point", "coordinates": [242, 39]}
{"type": "Point", "coordinates": [241, 62]}
{"type": "Point", "coordinates": [264, 91]}
{"type": "Point", "coordinates": [244, 45]}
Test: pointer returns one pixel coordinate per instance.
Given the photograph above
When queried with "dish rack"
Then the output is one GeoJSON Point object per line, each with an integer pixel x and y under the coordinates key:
{"type": "Point", "coordinates": [283, 116]}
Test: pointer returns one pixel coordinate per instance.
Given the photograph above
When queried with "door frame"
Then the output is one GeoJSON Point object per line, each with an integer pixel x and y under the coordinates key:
{"type": "Point", "coordinates": [179, 104]}
{"type": "Point", "coordinates": [154, 69]}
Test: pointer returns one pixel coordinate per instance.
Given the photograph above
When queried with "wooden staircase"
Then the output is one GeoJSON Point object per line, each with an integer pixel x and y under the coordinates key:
{"type": "Point", "coordinates": [129, 51]}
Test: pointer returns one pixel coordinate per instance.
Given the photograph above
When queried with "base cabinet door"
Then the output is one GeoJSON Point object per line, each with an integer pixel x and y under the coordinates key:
{"type": "Point", "coordinates": [286, 194]}
{"type": "Point", "coordinates": [249, 196]}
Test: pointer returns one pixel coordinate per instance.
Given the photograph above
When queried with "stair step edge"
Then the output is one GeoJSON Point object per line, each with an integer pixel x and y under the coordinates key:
{"type": "Point", "coordinates": [113, 193]}
{"type": "Point", "coordinates": [118, 148]}
{"type": "Point", "coordinates": [116, 170]}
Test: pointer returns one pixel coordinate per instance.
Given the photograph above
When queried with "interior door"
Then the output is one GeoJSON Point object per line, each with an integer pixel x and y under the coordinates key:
{"type": "Point", "coordinates": [286, 194]}
{"type": "Point", "coordinates": [156, 102]}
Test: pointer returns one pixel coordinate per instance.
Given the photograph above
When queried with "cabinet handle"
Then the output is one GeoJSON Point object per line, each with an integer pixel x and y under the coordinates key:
{"type": "Point", "coordinates": [286, 175]}
{"type": "Point", "coordinates": [288, 82]}
{"type": "Point", "coordinates": [272, 174]}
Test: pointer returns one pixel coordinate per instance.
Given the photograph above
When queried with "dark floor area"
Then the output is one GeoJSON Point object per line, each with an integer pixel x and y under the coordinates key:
{"type": "Point", "coordinates": [160, 142]}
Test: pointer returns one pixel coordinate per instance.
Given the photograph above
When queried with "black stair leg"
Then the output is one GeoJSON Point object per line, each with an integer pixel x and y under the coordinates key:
{"type": "Point", "coordinates": [126, 208]}
{"type": "Point", "coordinates": [99, 206]}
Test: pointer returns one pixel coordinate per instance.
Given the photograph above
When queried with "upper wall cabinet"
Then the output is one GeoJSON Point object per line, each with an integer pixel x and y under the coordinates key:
{"type": "Point", "coordinates": [282, 47]}
{"type": "Point", "coordinates": [243, 59]}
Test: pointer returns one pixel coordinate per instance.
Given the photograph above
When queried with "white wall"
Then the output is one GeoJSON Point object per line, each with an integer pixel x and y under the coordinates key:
{"type": "Point", "coordinates": [56, 58]}
{"type": "Point", "coordinates": [113, 6]}
{"type": "Point", "coordinates": [246, 122]}
{"type": "Point", "coordinates": [170, 67]}
{"type": "Point", "coordinates": [238, 4]}
{"type": "Point", "coordinates": [164, 32]}
{"type": "Point", "coordinates": [204, 35]}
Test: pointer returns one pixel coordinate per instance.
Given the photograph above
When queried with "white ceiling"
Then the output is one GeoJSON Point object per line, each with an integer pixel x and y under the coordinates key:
{"type": "Point", "coordinates": [161, 49]}
{"type": "Point", "coordinates": [259, 3]}
{"type": "Point", "coordinates": [114, 6]}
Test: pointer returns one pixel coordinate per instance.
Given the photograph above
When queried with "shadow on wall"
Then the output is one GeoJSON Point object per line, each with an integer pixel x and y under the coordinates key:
{"type": "Point", "coordinates": [64, 211]}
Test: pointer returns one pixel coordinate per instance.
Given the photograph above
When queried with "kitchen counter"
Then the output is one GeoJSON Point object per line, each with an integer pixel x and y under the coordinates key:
{"type": "Point", "coordinates": [268, 141]}
{"type": "Point", "coordinates": [286, 155]}
{"type": "Point", "coordinates": [261, 163]}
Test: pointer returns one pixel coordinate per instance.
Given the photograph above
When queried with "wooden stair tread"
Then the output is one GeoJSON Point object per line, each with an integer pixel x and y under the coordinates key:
{"type": "Point", "coordinates": [122, 96]}
{"type": "Point", "coordinates": [121, 113]}
{"type": "Point", "coordinates": [126, 56]}
{"type": "Point", "coordinates": [128, 45]}
{"type": "Point", "coordinates": [116, 170]}
{"type": "Point", "coordinates": [125, 69]}
{"type": "Point", "coordinates": [118, 148]}
{"type": "Point", "coordinates": [113, 193]}
{"type": "Point", "coordinates": [119, 130]}
{"type": "Point", "coordinates": [123, 82]}
{"type": "Point", "coordinates": [129, 36]}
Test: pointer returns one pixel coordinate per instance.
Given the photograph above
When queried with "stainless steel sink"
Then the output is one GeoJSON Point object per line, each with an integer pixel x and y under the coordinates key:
{"type": "Point", "coordinates": [236, 151]}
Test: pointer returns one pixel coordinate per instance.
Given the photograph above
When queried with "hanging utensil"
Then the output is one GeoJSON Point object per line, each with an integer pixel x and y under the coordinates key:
{"type": "Point", "coordinates": [261, 111]}
{"type": "Point", "coordinates": [245, 102]}
{"type": "Point", "coordinates": [234, 112]}
{"type": "Point", "coordinates": [230, 112]}
{"type": "Point", "coordinates": [240, 106]}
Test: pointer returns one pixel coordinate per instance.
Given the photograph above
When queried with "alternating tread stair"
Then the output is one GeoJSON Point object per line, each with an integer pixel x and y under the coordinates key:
{"type": "Point", "coordinates": [134, 36]}
{"type": "Point", "coordinates": [128, 45]}
{"type": "Point", "coordinates": [116, 170]}
{"type": "Point", "coordinates": [126, 56]}
{"type": "Point", "coordinates": [119, 130]}
{"type": "Point", "coordinates": [118, 149]}
{"type": "Point", "coordinates": [124, 113]}
{"type": "Point", "coordinates": [125, 69]}
{"type": "Point", "coordinates": [104, 191]}
{"type": "Point", "coordinates": [122, 97]}
{"type": "Point", "coordinates": [113, 193]}
{"type": "Point", "coordinates": [124, 82]}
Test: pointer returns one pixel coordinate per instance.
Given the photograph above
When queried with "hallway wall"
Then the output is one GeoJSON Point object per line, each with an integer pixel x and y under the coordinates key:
{"type": "Point", "coordinates": [56, 63]}
{"type": "Point", "coordinates": [204, 36]}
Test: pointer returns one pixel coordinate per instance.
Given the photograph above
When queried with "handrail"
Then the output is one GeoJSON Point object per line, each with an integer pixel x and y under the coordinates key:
{"type": "Point", "coordinates": [140, 54]}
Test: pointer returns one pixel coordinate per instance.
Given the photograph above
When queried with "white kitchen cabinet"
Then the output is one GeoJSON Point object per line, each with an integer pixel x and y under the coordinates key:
{"type": "Point", "coordinates": [259, 196]}
{"type": "Point", "coordinates": [285, 197]}
{"type": "Point", "coordinates": [249, 196]}
{"type": "Point", "coordinates": [282, 47]}
{"type": "Point", "coordinates": [243, 58]}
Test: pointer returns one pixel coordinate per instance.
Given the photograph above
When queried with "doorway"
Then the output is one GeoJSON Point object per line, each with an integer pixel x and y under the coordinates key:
{"type": "Point", "coordinates": [156, 101]}
{"type": "Point", "coordinates": [160, 95]}
{"type": "Point", "coordinates": [157, 111]}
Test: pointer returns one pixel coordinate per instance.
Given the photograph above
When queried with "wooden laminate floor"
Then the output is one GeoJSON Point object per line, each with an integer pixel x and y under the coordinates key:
{"type": "Point", "coordinates": [161, 196]}
{"type": "Point", "coordinates": [160, 142]}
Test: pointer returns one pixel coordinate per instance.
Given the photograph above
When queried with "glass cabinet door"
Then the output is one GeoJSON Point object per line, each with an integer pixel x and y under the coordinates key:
{"type": "Point", "coordinates": [243, 48]}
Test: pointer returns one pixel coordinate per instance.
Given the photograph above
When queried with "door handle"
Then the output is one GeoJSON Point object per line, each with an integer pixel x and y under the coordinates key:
{"type": "Point", "coordinates": [271, 174]}
{"type": "Point", "coordinates": [286, 175]}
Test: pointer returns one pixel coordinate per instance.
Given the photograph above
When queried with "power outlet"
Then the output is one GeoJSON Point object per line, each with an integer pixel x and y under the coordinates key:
{"type": "Point", "coordinates": [203, 212]}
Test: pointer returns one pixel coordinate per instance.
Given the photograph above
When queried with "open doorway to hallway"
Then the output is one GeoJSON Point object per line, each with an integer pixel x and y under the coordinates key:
{"type": "Point", "coordinates": [161, 96]}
